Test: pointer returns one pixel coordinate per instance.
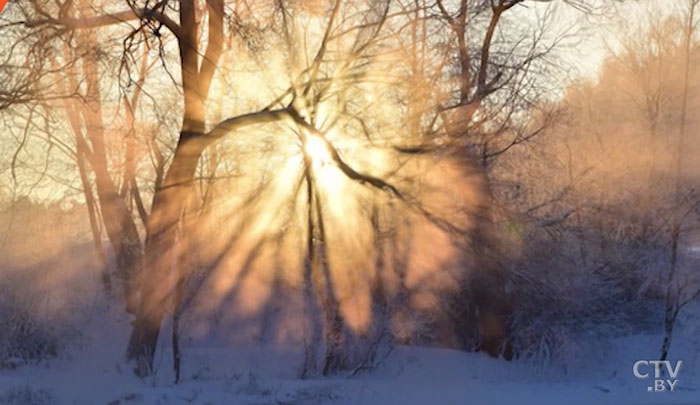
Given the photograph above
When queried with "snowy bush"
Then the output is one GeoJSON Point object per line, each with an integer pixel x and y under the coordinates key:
{"type": "Point", "coordinates": [26, 395]}
{"type": "Point", "coordinates": [27, 334]}
{"type": "Point", "coordinates": [570, 304]}
{"type": "Point", "coordinates": [252, 385]}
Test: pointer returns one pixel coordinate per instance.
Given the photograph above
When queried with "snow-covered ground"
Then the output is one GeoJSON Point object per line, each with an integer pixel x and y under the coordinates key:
{"type": "Point", "coordinates": [257, 374]}
{"type": "Point", "coordinates": [91, 371]}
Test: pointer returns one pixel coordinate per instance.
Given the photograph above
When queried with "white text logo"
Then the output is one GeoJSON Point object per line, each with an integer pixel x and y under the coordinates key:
{"type": "Point", "coordinates": [644, 369]}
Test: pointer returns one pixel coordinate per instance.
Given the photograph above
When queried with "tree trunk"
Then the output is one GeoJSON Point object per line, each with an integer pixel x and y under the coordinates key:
{"type": "Point", "coordinates": [483, 298]}
{"type": "Point", "coordinates": [119, 224]}
{"type": "Point", "coordinates": [161, 257]}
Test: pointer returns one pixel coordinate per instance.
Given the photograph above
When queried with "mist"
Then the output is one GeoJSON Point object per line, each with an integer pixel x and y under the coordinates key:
{"type": "Point", "coordinates": [306, 202]}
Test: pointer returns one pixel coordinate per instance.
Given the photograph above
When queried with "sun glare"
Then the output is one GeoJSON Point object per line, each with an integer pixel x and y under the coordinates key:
{"type": "Point", "coordinates": [317, 150]}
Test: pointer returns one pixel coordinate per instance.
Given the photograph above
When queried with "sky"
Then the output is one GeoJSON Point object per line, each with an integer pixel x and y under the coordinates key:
{"type": "Point", "coordinates": [594, 34]}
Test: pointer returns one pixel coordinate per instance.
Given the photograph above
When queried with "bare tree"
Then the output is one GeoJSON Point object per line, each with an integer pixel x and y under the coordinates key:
{"type": "Point", "coordinates": [335, 58]}
{"type": "Point", "coordinates": [675, 297]}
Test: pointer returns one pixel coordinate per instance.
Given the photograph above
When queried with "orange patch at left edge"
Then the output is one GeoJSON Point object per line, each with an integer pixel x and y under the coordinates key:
{"type": "Point", "coordinates": [3, 3]}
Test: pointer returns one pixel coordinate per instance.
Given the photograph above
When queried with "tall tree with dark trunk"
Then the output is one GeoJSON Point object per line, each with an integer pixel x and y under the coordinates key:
{"type": "Point", "coordinates": [330, 53]}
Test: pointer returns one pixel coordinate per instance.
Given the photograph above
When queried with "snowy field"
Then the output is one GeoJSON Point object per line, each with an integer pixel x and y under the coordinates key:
{"type": "Point", "coordinates": [259, 375]}
{"type": "Point", "coordinates": [90, 370]}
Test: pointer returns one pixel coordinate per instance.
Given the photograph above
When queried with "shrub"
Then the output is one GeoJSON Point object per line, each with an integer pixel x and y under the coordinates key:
{"type": "Point", "coordinates": [26, 395]}
{"type": "Point", "coordinates": [28, 335]}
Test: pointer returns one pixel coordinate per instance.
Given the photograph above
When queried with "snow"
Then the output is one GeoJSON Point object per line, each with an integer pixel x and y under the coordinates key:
{"type": "Point", "coordinates": [258, 374]}
{"type": "Point", "coordinates": [91, 371]}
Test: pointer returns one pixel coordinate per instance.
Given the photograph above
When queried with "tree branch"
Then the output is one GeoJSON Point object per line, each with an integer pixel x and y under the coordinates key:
{"type": "Point", "coordinates": [110, 19]}
{"type": "Point", "coordinates": [234, 123]}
